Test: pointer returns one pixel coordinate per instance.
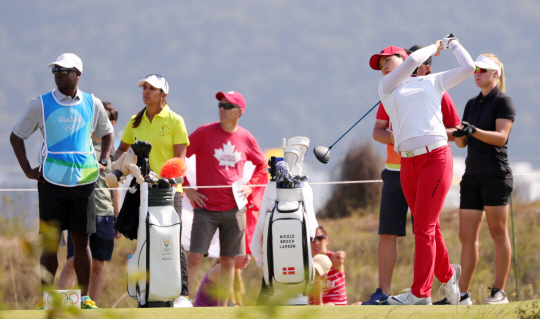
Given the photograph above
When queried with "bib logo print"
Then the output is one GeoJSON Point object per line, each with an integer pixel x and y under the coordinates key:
{"type": "Point", "coordinates": [227, 156]}
{"type": "Point", "coordinates": [163, 130]}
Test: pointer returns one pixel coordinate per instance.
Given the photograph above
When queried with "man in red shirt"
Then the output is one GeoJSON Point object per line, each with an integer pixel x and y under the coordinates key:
{"type": "Point", "coordinates": [221, 149]}
{"type": "Point", "coordinates": [393, 210]}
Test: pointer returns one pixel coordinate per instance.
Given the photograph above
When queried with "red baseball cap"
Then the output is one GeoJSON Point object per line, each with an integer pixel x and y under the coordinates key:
{"type": "Point", "coordinates": [391, 50]}
{"type": "Point", "coordinates": [233, 97]}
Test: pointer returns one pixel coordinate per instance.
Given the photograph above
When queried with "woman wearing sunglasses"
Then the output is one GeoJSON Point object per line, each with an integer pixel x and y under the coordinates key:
{"type": "Point", "coordinates": [165, 130]}
{"type": "Point", "coordinates": [414, 107]}
{"type": "Point", "coordinates": [334, 291]}
{"type": "Point", "coordinates": [487, 182]}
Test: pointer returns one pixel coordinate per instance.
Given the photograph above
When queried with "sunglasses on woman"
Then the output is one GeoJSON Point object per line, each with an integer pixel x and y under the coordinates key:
{"type": "Point", "coordinates": [480, 70]}
{"type": "Point", "coordinates": [63, 70]}
{"type": "Point", "coordinates": [321, 237]}
{"type": "Point", "coordinates": [227, 106]}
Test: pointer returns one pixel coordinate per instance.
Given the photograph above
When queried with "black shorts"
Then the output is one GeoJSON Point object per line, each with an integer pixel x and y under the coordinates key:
{"type": "Point", "coordinates": [393, 212]}
{"type": "Point", "coordinates": [101, 243]}
{"type": "Point", "coordinates": [73, 208]}
{"type": "Point", "coordinates": [482, 190]}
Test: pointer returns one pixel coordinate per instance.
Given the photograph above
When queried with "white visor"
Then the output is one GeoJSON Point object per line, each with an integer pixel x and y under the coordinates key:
{"type": "Point", "coordinates": [157, 81]}
{"type": "Point", "coordinates": [484, 62]}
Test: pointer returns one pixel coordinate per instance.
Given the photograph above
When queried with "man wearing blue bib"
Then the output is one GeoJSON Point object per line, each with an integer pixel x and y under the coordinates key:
{"type": "Point", "coordinates": [68, 167]}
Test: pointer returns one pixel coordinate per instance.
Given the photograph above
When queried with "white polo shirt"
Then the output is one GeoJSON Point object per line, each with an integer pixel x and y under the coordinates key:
{"type": "Point", "coordinates": [414, 108]}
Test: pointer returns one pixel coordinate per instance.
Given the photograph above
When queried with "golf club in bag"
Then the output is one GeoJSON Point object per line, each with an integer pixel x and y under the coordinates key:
{"type": "Point", "coordinates": [286, 249]}
{"type": "Point", "coordinates": [322, 153]}
{"type": "Point", "coordinates": [154, 276]}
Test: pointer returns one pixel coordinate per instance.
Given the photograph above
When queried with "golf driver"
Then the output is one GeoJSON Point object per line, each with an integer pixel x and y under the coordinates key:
{"type": "Point", "coordinates": [323, 153]}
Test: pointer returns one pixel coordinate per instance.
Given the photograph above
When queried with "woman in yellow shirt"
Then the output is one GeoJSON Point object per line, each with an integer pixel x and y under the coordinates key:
{"type": "Point", "coordinates": [165, 130]}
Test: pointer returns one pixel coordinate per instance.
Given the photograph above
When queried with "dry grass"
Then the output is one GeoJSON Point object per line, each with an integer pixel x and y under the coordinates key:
{"type": "Point", "coordinates": [356, 235]}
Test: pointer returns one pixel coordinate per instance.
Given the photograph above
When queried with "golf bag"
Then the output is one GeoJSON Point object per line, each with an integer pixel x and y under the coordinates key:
{"type": "Point", "coordinates": [154, 274]}
{"type": "Point", "coordinates": [286, 250]}
{"type": "Point", "coordinates": [288, 265]}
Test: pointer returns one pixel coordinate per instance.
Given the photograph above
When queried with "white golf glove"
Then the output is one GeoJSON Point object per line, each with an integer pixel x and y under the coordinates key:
{"type": "Point", "coordinates": [447, 39]}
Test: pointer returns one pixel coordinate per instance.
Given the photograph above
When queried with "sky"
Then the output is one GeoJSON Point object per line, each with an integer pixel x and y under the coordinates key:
{"type": "Point", "coordinates": [301, 65]}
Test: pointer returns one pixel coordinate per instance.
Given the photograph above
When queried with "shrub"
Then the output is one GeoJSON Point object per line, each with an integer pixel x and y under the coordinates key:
{"type": "Point", "coordinates": [360, 163]}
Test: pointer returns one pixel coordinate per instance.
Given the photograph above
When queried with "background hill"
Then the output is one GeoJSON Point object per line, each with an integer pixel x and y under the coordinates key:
{"type": "Point", "coordinates": [302, 65]}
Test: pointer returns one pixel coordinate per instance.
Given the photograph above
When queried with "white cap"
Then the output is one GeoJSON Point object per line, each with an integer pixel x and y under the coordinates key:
{"type": "Point", "coordinates": [484, 62]}
{"type": "Point", "coordinates": [68, 60]}
{"type": "Point", "coordinates": [157, 81]}
{"type": "Point", "coordinates": [322, 264]}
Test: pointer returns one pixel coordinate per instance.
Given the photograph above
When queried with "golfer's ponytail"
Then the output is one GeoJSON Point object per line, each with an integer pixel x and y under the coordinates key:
{"type": "Point", "coordinates": [138, 118]}
{"type": "Point", "coordinates": [501, 76]}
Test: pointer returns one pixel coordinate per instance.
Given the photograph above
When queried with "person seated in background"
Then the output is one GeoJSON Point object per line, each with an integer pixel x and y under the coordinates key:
{"type": "Point", "coordinates": [334, 290]}
{"type": "Point", "coordinates": [208, 290]}
{"type": "Point", "coordinates": [321, 265]}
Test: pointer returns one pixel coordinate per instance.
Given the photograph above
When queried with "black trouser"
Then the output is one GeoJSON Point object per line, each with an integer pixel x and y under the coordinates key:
{"type": "Point", "coordinates": [183, 261]}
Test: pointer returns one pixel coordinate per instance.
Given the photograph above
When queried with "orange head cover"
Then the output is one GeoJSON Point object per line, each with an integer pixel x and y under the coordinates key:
{"type": "Point", "coordinates": [174, 167]}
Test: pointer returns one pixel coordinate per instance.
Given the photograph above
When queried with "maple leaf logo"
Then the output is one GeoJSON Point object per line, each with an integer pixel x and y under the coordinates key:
{"type": "Point", "coordinates": [227, 156]}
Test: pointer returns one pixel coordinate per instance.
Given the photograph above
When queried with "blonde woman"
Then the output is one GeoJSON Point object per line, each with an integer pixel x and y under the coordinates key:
{"type": "Point", "coordinates": [487, 182]}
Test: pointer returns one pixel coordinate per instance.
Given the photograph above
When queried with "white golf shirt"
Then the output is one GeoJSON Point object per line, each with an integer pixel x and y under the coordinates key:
{"type": "Point", "coordinates": [414, 103]}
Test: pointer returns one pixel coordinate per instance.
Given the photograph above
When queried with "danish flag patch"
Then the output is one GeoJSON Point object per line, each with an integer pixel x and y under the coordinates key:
{"type": "Point", "coordinates": [288, 271]}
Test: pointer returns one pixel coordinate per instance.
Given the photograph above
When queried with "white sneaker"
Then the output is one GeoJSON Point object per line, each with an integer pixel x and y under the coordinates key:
{"type": "Point", "coordinates": [464, 300]}
{"type": "Point", "coordinates": [408, 299]}
{"type": "Point", "coordinates": [182, 302]}
{"type": "Point", "coordinates": [497, 297]}
{"type": "Point", "coordinates": [451, 288]}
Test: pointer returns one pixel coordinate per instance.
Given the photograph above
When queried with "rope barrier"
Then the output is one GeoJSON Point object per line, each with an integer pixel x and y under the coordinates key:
{"type": "Point", "coordinates": [259, 185]}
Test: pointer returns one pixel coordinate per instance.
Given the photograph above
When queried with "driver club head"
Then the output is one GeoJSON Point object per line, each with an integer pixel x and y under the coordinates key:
{"type": "Point", "coordinates": [322, 153]}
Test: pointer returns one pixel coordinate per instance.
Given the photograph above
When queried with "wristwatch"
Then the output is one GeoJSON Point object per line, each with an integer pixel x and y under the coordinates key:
{"type": "Point", "coordinates": [103, 162]}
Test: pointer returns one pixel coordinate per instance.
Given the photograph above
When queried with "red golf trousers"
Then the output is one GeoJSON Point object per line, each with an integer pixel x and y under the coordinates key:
{"type": "Point", "coordinates": [425, 180]}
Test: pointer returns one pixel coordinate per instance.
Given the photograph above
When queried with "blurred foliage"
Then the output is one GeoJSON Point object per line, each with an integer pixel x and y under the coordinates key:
{"type": "Point", "coordinates": [530, 311]}
{"type": "Point", "coordinates": [360, 163]}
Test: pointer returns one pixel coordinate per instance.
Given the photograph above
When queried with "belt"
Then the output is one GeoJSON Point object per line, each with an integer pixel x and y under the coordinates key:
{"type": "Point", "coordinates": [423, 150]}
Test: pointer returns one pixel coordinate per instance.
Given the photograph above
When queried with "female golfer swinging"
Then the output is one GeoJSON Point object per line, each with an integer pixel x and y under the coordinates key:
{"type": "Point", "coordinates": [414, 107]}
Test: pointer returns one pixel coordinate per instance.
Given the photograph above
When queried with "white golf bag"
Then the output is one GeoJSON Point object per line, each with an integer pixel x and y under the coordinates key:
{"type": "Point", "coordinates": [154, 275]}
{"type": "Point", "coordinates": [286, 249]}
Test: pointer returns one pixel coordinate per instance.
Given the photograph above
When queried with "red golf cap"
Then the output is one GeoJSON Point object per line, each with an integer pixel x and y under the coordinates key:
{"type": "Point", "coordinates": [233, 97]}
{"type": "Point", "coordinates": [391, 50]}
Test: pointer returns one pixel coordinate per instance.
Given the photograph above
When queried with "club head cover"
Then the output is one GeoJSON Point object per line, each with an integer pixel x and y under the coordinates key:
{"type": "Point", "coordinates": [113, 177]}
{"type": "Point", "coordinates": [163, 183]}
{"type": "Point", "coordinates": [141, 148]}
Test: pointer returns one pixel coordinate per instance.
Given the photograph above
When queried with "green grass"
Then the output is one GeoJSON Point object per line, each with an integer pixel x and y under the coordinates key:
{"type": "Point", "coordinates": [511, 310]}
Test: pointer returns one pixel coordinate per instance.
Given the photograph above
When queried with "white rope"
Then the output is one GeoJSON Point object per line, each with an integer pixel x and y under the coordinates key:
{"type": "Point", "coordinates": [230, 186]}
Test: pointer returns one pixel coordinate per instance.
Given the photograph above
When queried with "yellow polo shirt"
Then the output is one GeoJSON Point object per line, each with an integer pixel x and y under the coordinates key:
{"type": "Point", "coordinates": [166, 130]}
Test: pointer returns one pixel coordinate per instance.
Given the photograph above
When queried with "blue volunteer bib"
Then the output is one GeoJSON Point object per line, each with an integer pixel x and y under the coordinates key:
{"type": "Point", "coordinates": [70, 159]}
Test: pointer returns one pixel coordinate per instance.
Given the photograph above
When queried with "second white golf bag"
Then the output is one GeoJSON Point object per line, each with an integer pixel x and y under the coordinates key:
{"type": "Point", "coordinates": [286, 250]}
{"type": "Point", "coordinates": [154, 274]}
